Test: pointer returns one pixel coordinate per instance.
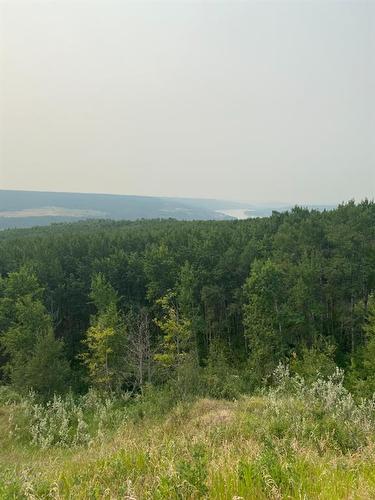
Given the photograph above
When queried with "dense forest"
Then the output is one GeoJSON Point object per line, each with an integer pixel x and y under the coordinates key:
{"type": "Point", "coordinates": [164, 359]}
{"type": "Point", "coordinates": [213, 305]}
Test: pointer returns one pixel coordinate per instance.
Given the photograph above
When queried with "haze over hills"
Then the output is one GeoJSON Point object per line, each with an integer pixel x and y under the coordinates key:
{"type": "Point", "coordinates": [35, 208]}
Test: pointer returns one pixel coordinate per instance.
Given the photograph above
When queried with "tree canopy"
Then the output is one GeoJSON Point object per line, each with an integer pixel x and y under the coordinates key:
{"type": "Point", "coordinates": [112, 301]}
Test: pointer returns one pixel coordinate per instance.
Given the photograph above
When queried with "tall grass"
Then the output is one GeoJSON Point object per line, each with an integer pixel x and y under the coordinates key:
{"type": "Point", "coordinates": [295, 440]}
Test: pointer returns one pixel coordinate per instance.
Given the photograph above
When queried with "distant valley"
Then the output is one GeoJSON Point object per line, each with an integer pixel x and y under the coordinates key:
{"type": "Point", "coordinates": [36, 208]}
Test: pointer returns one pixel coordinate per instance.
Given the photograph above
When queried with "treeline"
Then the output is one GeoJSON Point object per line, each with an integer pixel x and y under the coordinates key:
{"type": "Point", "coordinates": [210, 305]}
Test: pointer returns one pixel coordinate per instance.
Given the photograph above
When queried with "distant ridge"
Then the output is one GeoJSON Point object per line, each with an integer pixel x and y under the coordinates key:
{"type": "Point", "coordinates": [33, 208]}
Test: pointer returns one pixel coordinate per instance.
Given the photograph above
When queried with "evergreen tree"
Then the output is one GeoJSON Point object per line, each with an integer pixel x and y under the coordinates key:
{"type": "Point", "coordinates": [48, 370]}
{"type": "Point", "coordinates": [264, 317]}
{"type": "Point", "coordinates": [34, 358]}
{"type": "Point", "coordinates": [364, 370]}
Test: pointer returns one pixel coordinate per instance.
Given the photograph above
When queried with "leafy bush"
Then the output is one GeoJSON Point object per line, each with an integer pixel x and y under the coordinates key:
{"type": "Point", "coordinates": [9, 395]}
{"type": "Point", "coordinates": [314, 362]}
{"type": "Point", "coordinates": [219, 378]}
{"type": "Point", "coordinates": [65, 420]}
{"type": "Point", "coordinates": [322, 413]}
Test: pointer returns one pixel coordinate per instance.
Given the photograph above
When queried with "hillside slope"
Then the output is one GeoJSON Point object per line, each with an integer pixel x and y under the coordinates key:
{"type": "Point", "coordinates": [34, 208]}
{"type": "Point", "coordinates": [29, 208]}
{"type": "Point", "coordinates": [257, 447]}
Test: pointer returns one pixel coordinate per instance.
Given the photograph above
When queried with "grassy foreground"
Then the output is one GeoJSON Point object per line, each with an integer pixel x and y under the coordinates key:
{"type": "Point", "coordinates": [270, 446]}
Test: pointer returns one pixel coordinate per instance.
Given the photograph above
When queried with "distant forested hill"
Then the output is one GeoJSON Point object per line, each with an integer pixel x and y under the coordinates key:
{"type": "Point", "coordinates": [34, 208]}
{"type": "Point", "coordinates": [30, 208]}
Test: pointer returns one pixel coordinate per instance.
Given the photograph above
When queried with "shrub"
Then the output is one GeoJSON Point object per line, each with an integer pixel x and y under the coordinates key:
{"type": "Point", "coordinates": [219, 378]}
{"type": "Point", "coordinates": [319, 412]}
{"type": "Point", "coordinates": [314, 362]}
{"type": "Point", "coordinates": [9, 395]}
{"type": "Point", "coordinates": [65, 420]}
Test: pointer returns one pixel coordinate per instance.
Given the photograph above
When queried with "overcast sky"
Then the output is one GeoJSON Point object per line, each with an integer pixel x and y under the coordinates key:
{"type": "Point", "coordinates": [253, 101]}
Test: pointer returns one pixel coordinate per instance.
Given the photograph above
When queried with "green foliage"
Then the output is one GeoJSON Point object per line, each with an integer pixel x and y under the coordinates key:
{"type": "Point", "coordinates": [264, 319]}
{"type": "Point", "coordinates": [361, 375]}
{"type": "Point", "coordinates": [9, 395]}
{"type": "Point", "coordinates": [34, 358]}
{"type": "Point", "coordinates": [30, 320]}
{"type": "Point", "coordinates": [48, 370]}
{"type": "Point", "coordinates": [105, 339]}
{"type": "Point", "coordinates": [22, 283]}
{"type": "Point", "coordinates": [159, 269]}
{"type": "Point", "coordinates": [219, 378]}
{"type": "Point", "coordinates": [97, 357]}
{"type": "Point", "coordinates": [320, 414]}
{"type": "Point", "coordinates": [66, 421]}
{"type": "Point", "coordinates": [314, 362]}
{"type": "Point", "coordinates": [177, 336]}
{"type": "Point", "coordinates": [192, 472]}
{"type": "Point", "coordinates": [102, 294]}
{"type": "Point", "coordinates": [265, 288]}
{"type": "Point", "coordinates": [297, 440]}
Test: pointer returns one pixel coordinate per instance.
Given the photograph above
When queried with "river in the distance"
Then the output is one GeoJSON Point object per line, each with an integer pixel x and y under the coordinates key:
{"type": "Point", "coordinates": [238, 213]}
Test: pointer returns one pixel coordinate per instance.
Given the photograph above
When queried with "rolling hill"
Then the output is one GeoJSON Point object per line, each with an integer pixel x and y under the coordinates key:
{"type": "Point", "coordinates": [37, 208]}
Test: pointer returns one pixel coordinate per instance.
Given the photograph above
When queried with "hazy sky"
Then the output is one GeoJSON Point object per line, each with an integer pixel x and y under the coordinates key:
{"type": "Point", "coordinates": [253, 101]}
